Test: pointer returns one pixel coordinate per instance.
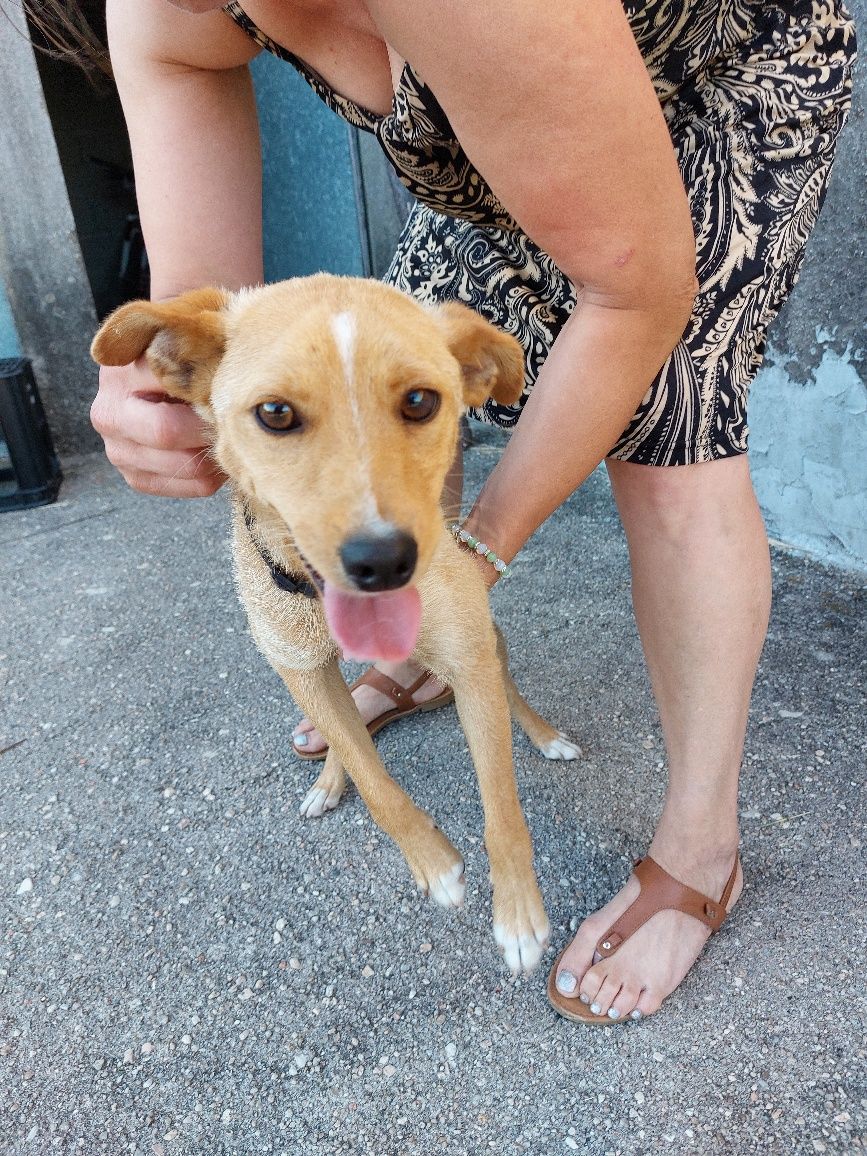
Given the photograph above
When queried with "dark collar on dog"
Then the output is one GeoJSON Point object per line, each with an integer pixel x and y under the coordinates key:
{"type": "Point", "coordinates": [282, 578]}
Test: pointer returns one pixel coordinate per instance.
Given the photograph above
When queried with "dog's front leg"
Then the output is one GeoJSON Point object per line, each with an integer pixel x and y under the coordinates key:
{"type": "Point", "coordinates": [324, 697]}
{"type": "Point", "coordinates": [521, 926]}
{"type": "Point", "coordinates": [328, 789]}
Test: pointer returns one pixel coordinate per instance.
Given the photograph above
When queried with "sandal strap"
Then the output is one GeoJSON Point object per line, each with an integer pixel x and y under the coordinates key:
{"type": "Point", "coordinates": [662, 892]}
{"type": "Point", "coordinates": [401, 696]}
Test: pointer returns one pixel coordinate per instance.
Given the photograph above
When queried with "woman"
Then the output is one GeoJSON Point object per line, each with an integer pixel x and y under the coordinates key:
{"type": "Point", "coordinates": [601, 146]}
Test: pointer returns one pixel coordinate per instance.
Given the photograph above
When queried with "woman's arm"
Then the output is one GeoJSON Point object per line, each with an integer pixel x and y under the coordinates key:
{"type": "Point", "coordinates": [191, 116]}
{"type": "Point", "coordinates": [554, 106]}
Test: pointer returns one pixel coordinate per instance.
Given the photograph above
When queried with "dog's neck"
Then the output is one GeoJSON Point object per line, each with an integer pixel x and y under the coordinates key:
{"type": "Point", "coordinates": [289, 569]}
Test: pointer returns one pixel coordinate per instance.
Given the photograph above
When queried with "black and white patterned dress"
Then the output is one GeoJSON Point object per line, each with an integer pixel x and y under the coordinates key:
{"type": "Point", "coordinates": [755, 95]}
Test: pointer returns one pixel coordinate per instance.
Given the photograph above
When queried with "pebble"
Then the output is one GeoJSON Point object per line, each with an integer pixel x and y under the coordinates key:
{"type": "Point", "coordinates": [24, 887]}
{"type": "Point", "coordinates": [425, 947]}
{"type": "Point", "coordinates": [367, 971]}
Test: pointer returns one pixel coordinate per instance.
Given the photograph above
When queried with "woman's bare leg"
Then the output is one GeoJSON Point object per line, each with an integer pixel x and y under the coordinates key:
{"type": "Point", "coordinates": [701, 593]}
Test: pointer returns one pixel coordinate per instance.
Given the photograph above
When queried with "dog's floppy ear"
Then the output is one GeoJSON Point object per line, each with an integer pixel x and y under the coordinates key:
{"type": "Point", "coordinates": [183, 340]}
{"type": "Point", "coordinates": [492, 362]}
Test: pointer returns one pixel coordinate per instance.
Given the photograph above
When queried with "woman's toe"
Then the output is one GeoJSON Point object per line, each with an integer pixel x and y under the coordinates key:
{"type": "Point", "coordinates": [606, 997]}
{"type": "Point", "coordinates": [648, 1003]}
{"type": "Point", "coordinates": [590, 986]}
{"type": "Point", "coordinates": [307, 738]}
{"type": "Point", "coordinates": [574, 961]}
{"type": "Point", "coordinates": [626, 1001]}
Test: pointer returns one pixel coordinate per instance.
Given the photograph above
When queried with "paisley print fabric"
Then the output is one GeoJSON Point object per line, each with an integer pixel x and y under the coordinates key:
{"type": "Point", "coordinates": [754, 95]}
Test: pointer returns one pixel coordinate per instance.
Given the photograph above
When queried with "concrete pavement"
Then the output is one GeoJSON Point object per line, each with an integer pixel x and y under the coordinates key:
{"type": "Point", "coordinates": [187, 966]}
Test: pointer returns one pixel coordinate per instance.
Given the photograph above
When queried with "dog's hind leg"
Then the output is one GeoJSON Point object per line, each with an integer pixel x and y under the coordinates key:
{"type": "Point", "coordinates": [324, 697]}
{"type": "Point", "coordinates": [553, 744]}
{"type": "Point", "coordinates": [328, 789]}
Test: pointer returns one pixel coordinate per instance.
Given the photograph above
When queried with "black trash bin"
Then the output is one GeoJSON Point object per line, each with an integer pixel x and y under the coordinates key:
{"type": "Point", "coordinates": [29, 470]}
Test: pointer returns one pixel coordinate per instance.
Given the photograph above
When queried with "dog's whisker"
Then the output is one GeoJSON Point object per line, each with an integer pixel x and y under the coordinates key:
{"type": "Point", "coordinates": [192, 466]}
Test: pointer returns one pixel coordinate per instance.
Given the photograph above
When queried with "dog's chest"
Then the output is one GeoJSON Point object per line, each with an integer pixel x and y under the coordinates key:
{"type": "Point", "coordinates": [289, 629]}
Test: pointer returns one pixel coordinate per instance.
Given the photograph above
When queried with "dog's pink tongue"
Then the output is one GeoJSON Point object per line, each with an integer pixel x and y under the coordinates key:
{"type": "Point", "coordinates": [368, 627]}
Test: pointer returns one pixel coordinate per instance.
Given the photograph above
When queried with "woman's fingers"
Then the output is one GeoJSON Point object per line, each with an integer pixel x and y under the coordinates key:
{"type": "Point", "coordinates": [159, 487]}
{"type": "Point", "coordinates": [158, 444]}
{"type": "Point", "coordinates": [166, 468]}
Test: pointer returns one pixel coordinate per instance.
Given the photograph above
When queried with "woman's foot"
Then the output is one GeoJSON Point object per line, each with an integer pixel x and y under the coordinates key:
{"type": "Point", "coordinates": [635, 980]}
{"type": "Point", "coordinates": [371, 702]}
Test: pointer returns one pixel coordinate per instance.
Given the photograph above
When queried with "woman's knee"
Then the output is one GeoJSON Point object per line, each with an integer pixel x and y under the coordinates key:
{"type": "Point", "coordinates": [679, 501]}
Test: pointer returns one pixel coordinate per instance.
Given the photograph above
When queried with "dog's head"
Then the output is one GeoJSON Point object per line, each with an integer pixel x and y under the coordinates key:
{"type": "Point", "coordinates": [334, 404]}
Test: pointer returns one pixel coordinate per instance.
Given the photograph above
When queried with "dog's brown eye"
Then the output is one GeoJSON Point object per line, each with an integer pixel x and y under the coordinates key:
{"type": "Point", "coordinates": [420, 404]}
{"type": "Point", "coordinates": [277, 416]}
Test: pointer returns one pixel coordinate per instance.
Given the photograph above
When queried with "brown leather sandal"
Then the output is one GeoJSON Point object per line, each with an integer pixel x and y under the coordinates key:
{"type": "Point", "coordinates": [401, 696]}
{"type": "Point", "coordinates": [659, 892]}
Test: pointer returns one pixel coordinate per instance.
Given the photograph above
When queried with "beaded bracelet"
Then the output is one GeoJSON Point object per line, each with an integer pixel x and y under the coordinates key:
{"type": "Point", "coordinates": [465, 538]}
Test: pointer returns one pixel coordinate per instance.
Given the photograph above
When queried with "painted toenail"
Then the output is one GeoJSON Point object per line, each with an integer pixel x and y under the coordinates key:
{"type": "Point", "coordinates": [301, 740]}
{"type": "Point", "coordinates": [566, 982]}
{"type": "Point", "coordinates": [596, 1009]}
{"type": "Point", "coordinates": [613, 1013]}
{"type": "Point", "coordinates": [584, 998]}
{"type": "Point", "coordinates": [636, 1015]}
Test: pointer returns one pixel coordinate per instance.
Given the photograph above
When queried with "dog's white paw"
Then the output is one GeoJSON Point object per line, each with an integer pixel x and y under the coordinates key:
{"type": "Point", "coordinates": [448, 889]}
{"type": "Point", "coordinates": [522, 950]}
{"type": "Point", "coordinates": [521, 927]}
{"type": "Point", "coordinates": [436, 865]}
{"type": "Point", "coordinates": [561, 747]}
{"type": "Point", "coordinates": [326, 792]}
{"type": "Point", "coordinates": [318, 801]}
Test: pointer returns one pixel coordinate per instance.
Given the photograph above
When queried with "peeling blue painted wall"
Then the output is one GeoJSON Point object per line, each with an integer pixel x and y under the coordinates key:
{"type": "Point", "coordinates": [810, 476]}
{"type": "Point", "coordinates": [808, 405]}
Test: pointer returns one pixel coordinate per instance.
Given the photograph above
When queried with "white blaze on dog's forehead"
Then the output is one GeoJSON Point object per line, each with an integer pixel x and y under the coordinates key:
{"type": "Point", "coordinates": [343, 326]}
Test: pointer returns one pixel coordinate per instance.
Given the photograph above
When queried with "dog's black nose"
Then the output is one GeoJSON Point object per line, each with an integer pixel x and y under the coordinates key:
{"type": "Point", "coordinates": [379, 562]}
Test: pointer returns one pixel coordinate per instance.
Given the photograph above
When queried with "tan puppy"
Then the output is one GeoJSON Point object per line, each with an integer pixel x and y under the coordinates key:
{"type": "Point", "coordinates": [335, 404]}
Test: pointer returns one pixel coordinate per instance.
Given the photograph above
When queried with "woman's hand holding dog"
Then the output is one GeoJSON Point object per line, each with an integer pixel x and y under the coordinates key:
{"type": "Point", "coordinates": [158, 444]}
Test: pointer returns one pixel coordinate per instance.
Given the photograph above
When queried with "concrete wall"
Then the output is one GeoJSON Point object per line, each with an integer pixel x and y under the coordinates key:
{"type": "Point", "coordinates": [40, 258]}
{"type": "Point", "coordinates": [808, 405]}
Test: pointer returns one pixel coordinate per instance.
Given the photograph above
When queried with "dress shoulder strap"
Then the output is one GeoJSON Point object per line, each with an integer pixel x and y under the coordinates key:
{"type": "Point", "coordinates": [351, 112]}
